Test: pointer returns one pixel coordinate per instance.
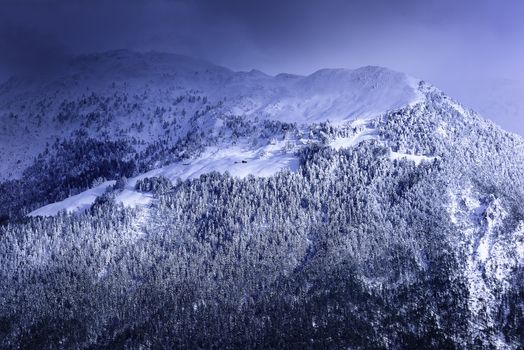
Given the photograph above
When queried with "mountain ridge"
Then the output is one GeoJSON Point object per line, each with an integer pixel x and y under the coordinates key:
{"type": "Point", "coordinates": [324, 95]}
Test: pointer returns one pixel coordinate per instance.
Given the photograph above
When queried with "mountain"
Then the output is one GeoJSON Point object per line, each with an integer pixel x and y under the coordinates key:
{"type": "Point", "coordinates": [147, 97]}
{"type": "Point", "coordinates": [153, 200]}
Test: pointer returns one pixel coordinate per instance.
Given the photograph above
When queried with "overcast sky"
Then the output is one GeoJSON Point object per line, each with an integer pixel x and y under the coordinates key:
{"type": "Point", "coordinates": [460, 46]}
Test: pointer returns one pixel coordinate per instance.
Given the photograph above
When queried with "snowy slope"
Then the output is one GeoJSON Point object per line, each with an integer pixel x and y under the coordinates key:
{"type": "Point", "coordinates": [143, 97]}
{"type": "Point", "coordinates": [239, 161]}
{"type": "Point", "coordinates": [236, 161]}
{"type": "Point", "coordinates": [74, 204]}
{"type": "Point", "coordinates": [193, 109]}
{"type": "Point", "coordinates": [501, 100]}
{"type": "Point", "coordinates": [412, 157]}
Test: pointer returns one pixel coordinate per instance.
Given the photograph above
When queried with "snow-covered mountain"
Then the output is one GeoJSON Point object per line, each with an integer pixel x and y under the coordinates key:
{"type": "Point", "coordinates": [200, 207]}
{"type": "Point", "coordinates": [153, 96]}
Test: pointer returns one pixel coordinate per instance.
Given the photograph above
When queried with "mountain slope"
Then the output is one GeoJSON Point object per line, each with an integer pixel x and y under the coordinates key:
{"type": "Point", "coordinates": [147, 97]}
{"type": "Point", "coordinates": [396, 224]}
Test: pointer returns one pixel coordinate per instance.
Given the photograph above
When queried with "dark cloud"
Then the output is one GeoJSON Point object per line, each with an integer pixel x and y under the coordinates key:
{"type": "Point", "coordinates": [448, 42]}
{"type": "Point", "coordinates": [275, 35]}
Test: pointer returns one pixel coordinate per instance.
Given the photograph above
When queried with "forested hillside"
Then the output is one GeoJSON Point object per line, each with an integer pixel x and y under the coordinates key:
{"type": "Point", "coordinates": [400, 227]}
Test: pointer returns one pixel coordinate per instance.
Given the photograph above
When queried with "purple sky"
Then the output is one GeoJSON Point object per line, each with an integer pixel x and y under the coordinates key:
{"type": "Point", "coordinates": [472, 49]}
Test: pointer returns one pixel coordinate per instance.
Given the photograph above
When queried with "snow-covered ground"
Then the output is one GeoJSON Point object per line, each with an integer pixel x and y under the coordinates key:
{"type": "Point", "coordinates": [238, 160]}
{"type": "Point", "coordinates": [149, 82]}
{"type": "Point", "coordinates": [365, 133]}
{"type": "Point", "coordinates": [339, 95]}
{"type": "Point", "coordinates": [76, 203]}
{"type": "Point", "coordinates": [493, 253]}
{"type": "Point", "coordinates": [500, 99]}
{"type": "Point", "coordinates": [134, 87]}
{"type": "Point", "coordinates": [413, 157]}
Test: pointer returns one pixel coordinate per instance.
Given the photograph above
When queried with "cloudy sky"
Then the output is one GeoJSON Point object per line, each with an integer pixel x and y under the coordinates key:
{"type": "Point", "coordinates": [472, 49]}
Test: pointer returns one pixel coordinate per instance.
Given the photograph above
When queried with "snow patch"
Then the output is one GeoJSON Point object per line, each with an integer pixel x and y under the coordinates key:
{"type": "Point", "coordinates": [74, 204]}
{"type": "Point", "coordinates": [413, 157]}
{"type": "Point", "coordinates": [238, 161]}
{"type": "Point", "coordinates": [441, 130]}
{"type": "Point", "coordinates": [131, 198]}
{"type": "Point", "coordinates": [353, 140]}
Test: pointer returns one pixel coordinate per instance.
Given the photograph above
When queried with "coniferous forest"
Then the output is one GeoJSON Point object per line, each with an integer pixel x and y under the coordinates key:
{"type": "Point", "coordinates": [411, 238]}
